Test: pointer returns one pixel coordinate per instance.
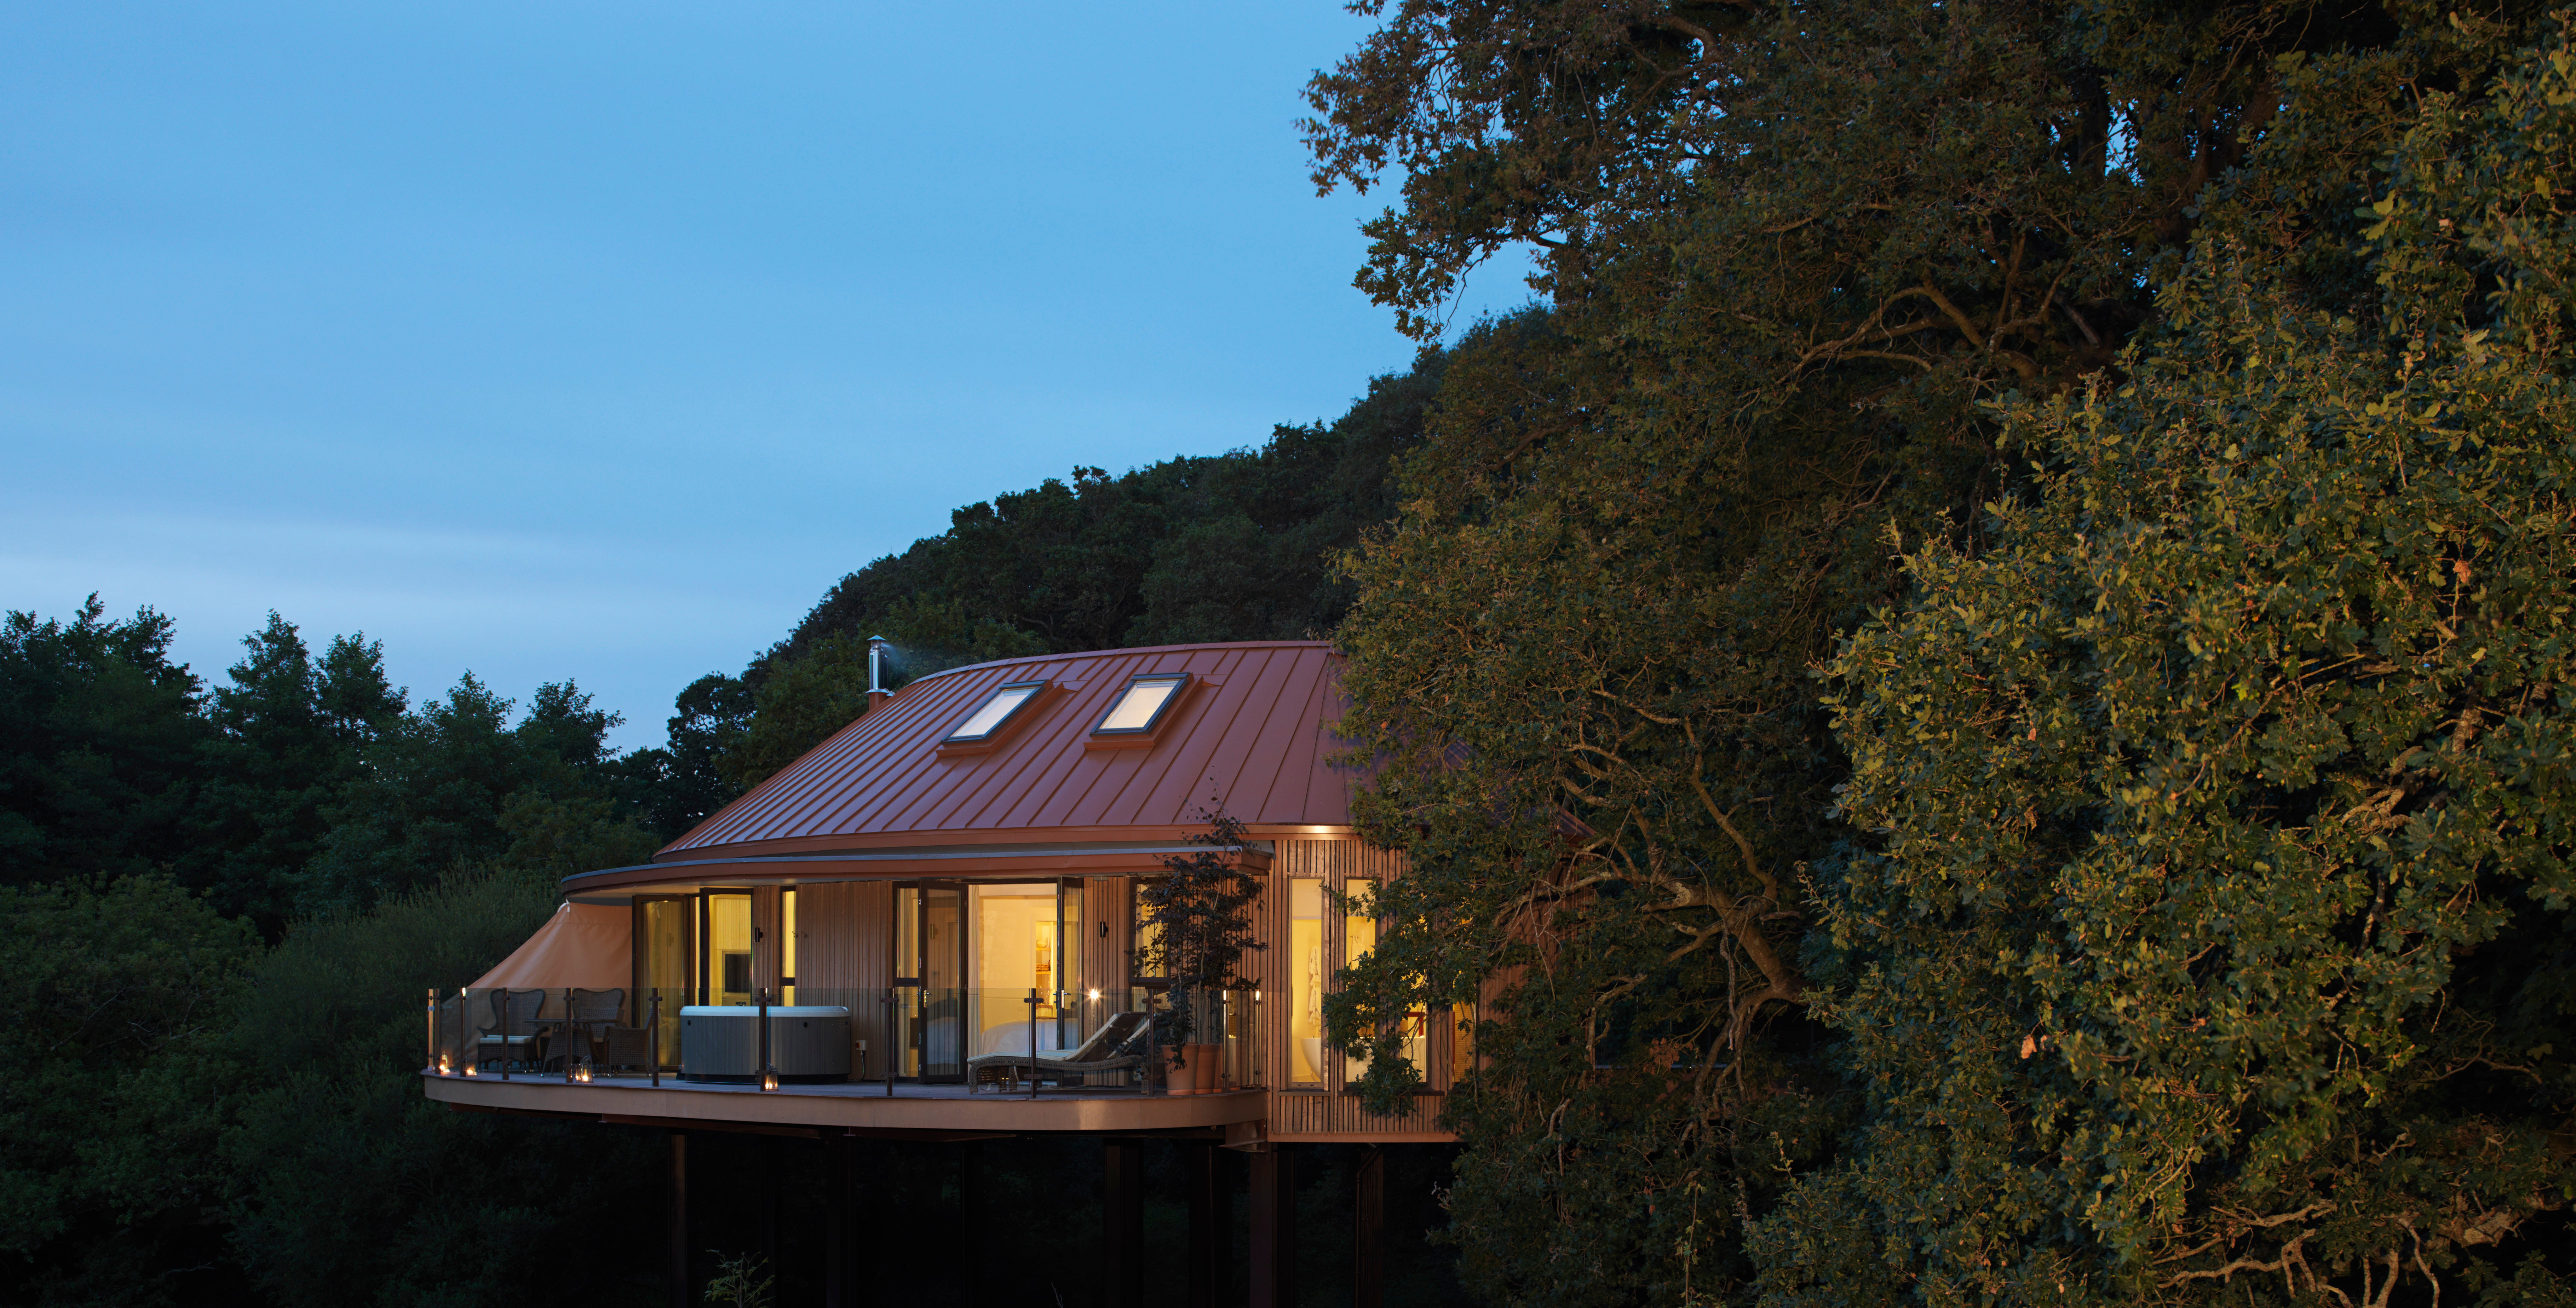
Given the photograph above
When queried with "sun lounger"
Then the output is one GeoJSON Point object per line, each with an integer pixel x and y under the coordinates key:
{"type": "Point", "coordinates": [1097, 1054]}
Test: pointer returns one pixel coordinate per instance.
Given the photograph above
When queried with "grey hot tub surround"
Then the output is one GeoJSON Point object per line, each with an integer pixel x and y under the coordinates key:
{"type": "Point", "coordinates": [808, 1043]}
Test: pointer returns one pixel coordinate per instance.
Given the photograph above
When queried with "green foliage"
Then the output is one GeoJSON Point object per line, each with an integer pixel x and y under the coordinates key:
{"type": "Point", "coordinates": [2220, 890]}
{"type": "Point", "coordinates": [114, 1087]}
{"type": "Point", "coordinates": [677, 786]}
{"type": "Point", "coordinates": [742, 1281]}
{"type": "Point", "coordinates": [434, 787]}
{"type": "Point", "coordinates": [285, 742]}
{"type": "Point", "coordinates": [99, 734]}
{"type": "Point", "coordinates": [1231, 547]}
{"type": "Point", "coordinates": [798, 705]}
{"type": "Point", "coordinates": [1199, 915]}
{"type": "Point", "coordinates": [1794, 257]}
{"type": "Point", "coordinates": [345, 1176]}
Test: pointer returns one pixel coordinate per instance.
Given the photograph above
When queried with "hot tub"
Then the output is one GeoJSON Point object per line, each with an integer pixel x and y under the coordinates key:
{"type": "Point", "coordinates": [808, 1043]}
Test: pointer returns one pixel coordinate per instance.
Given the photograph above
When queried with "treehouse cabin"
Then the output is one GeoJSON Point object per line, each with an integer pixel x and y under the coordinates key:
{"type": "Point", "coordinates": [929, 926]}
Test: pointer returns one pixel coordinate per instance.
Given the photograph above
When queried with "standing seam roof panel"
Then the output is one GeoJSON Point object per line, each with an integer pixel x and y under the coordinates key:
{"type": "Point", "coordinates": [1257, 729]}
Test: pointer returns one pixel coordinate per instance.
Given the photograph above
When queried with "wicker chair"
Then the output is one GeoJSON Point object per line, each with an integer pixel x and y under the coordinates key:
{"type": "Point", "coordinates": [520, 1045]}
{"type": "Point", "coordinates": [588, 1014]}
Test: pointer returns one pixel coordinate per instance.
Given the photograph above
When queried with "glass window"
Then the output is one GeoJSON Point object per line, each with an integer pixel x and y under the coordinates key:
{"type": "Point", "coordinates": [666, 967]}
{"type": "Point", "coordinates": [727, 962]}
{"type": "Point", "coordinates": [1013, 936]}
{"type": "Point", "coordinates": [1142, 704]}
{"type": "Point", "coordinates": [1069, 976]}
{"type": "Point", "coordinates": [1359, 935]}
{"type": "Point", "coordinates": [1462, 1040]}
{"type": "Point", "coordinates": [1144, 966]}
{"type": "Point", "coordinates": [1306, 977]}
{"type": "Point", "coordinates": [1007, 701]}
{"type": "Point", "coordinates": [930, 971]}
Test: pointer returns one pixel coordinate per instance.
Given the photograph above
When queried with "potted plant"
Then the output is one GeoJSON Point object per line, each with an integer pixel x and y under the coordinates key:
{"type": "Point", "coordinates": [1200, 912]}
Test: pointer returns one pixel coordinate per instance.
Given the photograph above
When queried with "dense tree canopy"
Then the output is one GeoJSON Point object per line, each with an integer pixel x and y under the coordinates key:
{"type": "Point", "coordinates": [1976, 696]}
{"type": "Point", "coordinates": [1802, 263]}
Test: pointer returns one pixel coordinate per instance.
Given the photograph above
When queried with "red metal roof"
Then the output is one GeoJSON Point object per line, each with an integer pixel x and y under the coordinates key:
{"type": "Point", "coordinates": [1254, 732]}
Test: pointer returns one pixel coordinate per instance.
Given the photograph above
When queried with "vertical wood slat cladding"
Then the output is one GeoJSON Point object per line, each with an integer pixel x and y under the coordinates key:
{"type": "Point", "coordinates": [1104, 957]}
{"type": "Point", "coordinates": [843, 948]}
{"type": "Point", "coordinates": [1326, 1113]}
{"type": "Point", "coordinates": [871, 939]}
{"type": "Point", "coordinates": [765, 951]}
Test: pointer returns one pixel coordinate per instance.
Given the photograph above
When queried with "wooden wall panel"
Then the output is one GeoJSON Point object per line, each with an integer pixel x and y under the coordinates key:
{"type": "Point", "coordinates": [845, 938]}
{"type": "Point", "coordinates": [765, 950]}
{"type": "Point", "coordinates": [1104, 957]}
{"type": "Point", "coordinates": [1326, 1113]}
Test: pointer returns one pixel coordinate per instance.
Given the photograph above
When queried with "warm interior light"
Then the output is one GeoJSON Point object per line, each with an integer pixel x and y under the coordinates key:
{"type": "Point", "coordinates": [997, 710]}
{"type": "Point", "coordinates": [1142, 702]}
{"type": "Point", "coordinates": [1095, 994]}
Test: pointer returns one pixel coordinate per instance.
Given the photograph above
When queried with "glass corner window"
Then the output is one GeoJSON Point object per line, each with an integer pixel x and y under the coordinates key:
{"type": "Point", "coordinates": [1142, 704]}
{"type": "Point", "coordinates": [996, 712]}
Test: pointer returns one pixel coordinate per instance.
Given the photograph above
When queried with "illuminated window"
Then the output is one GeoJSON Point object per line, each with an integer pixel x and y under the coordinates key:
{"type": "Point", "coordinates": [1306, 977]}
{"type": "Point", "coordinates": [996, 712]}
{"type": "Point", "coordinates": [1141, 705]}
{"type": "Point", "coordinates": [725, 969]}
{"type": "Point", "coordinates": [1359, 936]}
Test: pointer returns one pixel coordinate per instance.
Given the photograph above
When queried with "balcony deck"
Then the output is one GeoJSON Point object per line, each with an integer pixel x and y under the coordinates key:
{"type": "Point", "coordinates": [864, 1108]}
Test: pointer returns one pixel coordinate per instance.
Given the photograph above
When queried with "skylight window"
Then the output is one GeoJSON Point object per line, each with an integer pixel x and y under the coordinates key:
{"type": "Point", "coordinates": [1141, 704]}
{"type": "Point", "coordinates": [987, 721]}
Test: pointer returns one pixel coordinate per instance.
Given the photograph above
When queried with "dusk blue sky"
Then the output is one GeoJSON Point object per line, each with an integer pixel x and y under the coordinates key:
{"type": "Point", "coordinates": [597, 340]}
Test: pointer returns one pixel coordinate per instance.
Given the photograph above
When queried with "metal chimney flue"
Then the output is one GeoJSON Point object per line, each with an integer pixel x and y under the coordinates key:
{"type": "Point", "coordinates": [877, 693]}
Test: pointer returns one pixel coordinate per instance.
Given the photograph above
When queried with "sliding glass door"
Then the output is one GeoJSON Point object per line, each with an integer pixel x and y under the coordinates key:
{"type": "Point", "coordinates": [930, 973]}
{"type": "Point", "coordinates": [969, 958]}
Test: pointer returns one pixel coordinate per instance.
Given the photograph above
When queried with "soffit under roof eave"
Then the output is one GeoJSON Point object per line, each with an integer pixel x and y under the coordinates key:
{"type": "Point", "coordinates": [985, 864]}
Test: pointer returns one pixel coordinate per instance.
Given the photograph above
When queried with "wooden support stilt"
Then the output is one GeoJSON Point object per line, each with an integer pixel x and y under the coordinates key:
{"type": "Point", "coordinates": [1273, 1214]}
{"type": "Point", "coordinates": [1368, 1246]}
{"type": "Point", "coordinates": [1122, 1224]}
{"type": "Point", "coordinates": [1221, 1217]}
{"type": "Point", "coordinates": [769, 1165]}
{"type": "Point", "coordinates": [836, 1221]}
{"type": "Point", "coordinates": [1199, 1166]}
{"type": "Point", "coordinates": [970, 1199]}
{"type": "Point", "coordinates": [676, 1270]}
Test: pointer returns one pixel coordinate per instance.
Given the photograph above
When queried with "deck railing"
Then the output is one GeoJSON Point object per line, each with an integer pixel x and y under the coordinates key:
{"type": "Point", "coordinates": [823, 1035]}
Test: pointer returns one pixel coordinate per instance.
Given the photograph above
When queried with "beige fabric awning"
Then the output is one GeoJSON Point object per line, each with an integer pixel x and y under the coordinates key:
{"type": "Point", "coordinates": [585, 945]}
